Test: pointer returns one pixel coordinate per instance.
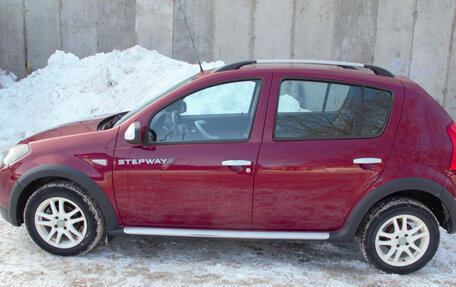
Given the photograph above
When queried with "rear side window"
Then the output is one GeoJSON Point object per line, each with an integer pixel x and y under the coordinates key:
{"type": "Point", "coordinates": [321, 110]}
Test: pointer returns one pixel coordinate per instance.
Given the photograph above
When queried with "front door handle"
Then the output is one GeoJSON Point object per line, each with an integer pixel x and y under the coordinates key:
{"type": "Point", "coordinates": [236, 162]}
{"type": "Point", "coordinates": [367, 160]}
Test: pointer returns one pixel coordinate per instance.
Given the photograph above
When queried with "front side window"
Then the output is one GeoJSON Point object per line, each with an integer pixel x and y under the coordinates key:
{"type": "Point", "coordinates": [319, 110]}
{"type": "Point", "coordinates": [223, 112]}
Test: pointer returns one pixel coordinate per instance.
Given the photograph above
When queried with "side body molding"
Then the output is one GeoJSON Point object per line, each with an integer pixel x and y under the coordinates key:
{"type": "Point", "coordinates": [348, 233]}
{"type": "Point", "coordinates": [64, 172]}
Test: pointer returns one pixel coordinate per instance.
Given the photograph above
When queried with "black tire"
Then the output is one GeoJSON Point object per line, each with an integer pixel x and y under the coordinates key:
{"type": "Point", "coordinates": [69, 234]}
{"type": "Point", "coordinates": [381, 249]}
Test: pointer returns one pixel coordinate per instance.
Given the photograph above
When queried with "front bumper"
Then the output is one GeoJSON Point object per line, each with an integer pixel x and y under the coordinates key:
{"type": "Point", "coordinates": [7, 181]}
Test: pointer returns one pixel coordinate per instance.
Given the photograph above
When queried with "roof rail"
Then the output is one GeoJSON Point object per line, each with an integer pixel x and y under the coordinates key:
{"type": "Point", "coordinates": [235, 66]}
{"type": "Point", "coordinates": [347, 65]}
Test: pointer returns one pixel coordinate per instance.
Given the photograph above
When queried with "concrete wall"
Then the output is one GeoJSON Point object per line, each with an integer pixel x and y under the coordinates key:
{"type": "Point", "coordinates": [154, 25]}
{"type": "Point", "coordinates": [200, 18]}
{"type": "Point", "coordinates": [12, 43]}
{"type": "Point", "coordinates": [42, 31]}
{"type": "Point", "coordinates": [116, 25]}
{"type": "Point", "coordinates": [233, 30]}
{"type": "Point", "coordinates": [415, 38]}
{"type": "Point", "coordinates": [317, 17]}
{"type": "Point", "coordinates": [272, 29]}
{"type": "Point", "coordinates": [79, 27]}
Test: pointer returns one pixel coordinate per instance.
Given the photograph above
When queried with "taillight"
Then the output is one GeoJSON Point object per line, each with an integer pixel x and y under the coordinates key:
{"type": "Point", "coordinates": [451, 129]}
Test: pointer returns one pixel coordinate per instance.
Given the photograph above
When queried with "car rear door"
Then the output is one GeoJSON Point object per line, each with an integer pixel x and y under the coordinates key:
{"type": "Point", "coordinates": [325, 142]}
{"type": "Point", "coordinates": [197, 168]}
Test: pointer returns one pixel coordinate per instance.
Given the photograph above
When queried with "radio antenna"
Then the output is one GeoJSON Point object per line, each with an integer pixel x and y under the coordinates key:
{"type": "Point", "coordinates": [191, 38]}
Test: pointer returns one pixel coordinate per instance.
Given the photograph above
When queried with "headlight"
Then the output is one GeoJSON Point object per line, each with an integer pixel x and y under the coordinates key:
{"type": "Point", "coordinates": [14, 154]}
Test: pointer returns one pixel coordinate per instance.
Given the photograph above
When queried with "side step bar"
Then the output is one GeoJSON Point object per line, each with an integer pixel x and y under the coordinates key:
{"type": "Point", "coordinates": [231, 234]}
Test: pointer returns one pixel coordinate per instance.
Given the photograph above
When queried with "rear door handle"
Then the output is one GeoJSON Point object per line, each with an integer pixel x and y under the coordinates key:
{"type": "Point", "coordinates": [367, 160]}
{"type": "Point", "coordinates": [236, 162]}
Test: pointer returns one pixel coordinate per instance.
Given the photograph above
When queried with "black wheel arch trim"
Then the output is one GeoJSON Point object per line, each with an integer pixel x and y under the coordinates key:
{"type": "Point", "coordinates": [348, 233]}
{"type": "Point", "coordinates": [64, 172]}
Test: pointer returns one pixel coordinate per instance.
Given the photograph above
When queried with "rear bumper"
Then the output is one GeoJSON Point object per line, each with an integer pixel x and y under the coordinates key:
{"type": "Point", "coordinates": [449, 200]}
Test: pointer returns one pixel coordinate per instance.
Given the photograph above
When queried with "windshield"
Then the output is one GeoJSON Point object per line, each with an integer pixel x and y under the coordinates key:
{"type": "Point", "coordinates": [153, 99]}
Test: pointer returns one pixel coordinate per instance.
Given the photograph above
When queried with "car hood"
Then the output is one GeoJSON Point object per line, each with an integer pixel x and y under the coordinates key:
{"type": "Point", "coordinates": [67, 129]}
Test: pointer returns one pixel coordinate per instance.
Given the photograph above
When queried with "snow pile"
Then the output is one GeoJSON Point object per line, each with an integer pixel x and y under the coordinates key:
{"type": "Point", "coordinates": [6, 79]}
{"type": "Point", "coordinates": [71, 89]}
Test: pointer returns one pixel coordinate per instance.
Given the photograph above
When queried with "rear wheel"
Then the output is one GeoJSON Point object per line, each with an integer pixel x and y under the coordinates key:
{"type": "Point", "coordinates": [399, 236]}
{"type": "Point", "coordinates": [62, 219]}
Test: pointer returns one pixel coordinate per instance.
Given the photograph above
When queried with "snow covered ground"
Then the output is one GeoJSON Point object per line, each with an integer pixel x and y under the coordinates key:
{"type": "Point", "coordinates": [70, 89]}
{"type": "Point", "coordinates": [145, 261]}
{"type": "Point", "coordinates": [6, 79]}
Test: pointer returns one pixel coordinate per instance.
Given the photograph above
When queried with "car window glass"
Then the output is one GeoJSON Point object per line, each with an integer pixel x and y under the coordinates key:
{"type": "Point", "coordinates": [222, 99]}
{"type": "Point", "coordinates": [223, 112]}
{"type": "Point", "coordinates": [318, 110]}
{"type": "Point", "coordinates": [336, 97]}
{"type": "Point", "coordinates": [376, 108]}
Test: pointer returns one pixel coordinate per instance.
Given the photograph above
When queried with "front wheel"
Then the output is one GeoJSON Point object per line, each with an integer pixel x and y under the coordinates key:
{"type": "Point", "coordinates": [399, 236]}
{"type": "Point", "coordinates": [62, 219]}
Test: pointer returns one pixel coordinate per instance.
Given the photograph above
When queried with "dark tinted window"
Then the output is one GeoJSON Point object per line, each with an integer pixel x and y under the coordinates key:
{"type": "Point", "coordinates": [376, 108]}
{"type": "Point", "coordinates": [310, 110]}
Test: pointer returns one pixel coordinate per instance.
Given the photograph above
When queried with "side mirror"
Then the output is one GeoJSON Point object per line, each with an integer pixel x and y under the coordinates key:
{"type": "Point", "coordinates": [133, 134]}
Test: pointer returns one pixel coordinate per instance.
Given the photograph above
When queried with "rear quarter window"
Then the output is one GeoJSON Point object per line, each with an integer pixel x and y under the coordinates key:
{"type": "Point", "coordinates": [376, 107]}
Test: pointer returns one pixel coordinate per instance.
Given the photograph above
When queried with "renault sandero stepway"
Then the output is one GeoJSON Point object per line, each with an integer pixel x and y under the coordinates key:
{"type": "Point", "coordinates": [287, 150]}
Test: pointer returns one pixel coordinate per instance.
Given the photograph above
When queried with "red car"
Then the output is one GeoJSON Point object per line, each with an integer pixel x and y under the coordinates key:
{"type": "Point", "coordinates": [290, 150]}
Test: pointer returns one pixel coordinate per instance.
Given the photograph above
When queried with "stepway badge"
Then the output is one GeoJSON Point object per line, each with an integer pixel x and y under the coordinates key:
{"type": "Point", "coordinates": [139, 161]}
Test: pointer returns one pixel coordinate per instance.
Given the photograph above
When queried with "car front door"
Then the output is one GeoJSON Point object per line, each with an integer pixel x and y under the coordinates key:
{"type": "Point", "coordinates": [325, 143]}
{"type": "Point", "coordinates": [196, 166]}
